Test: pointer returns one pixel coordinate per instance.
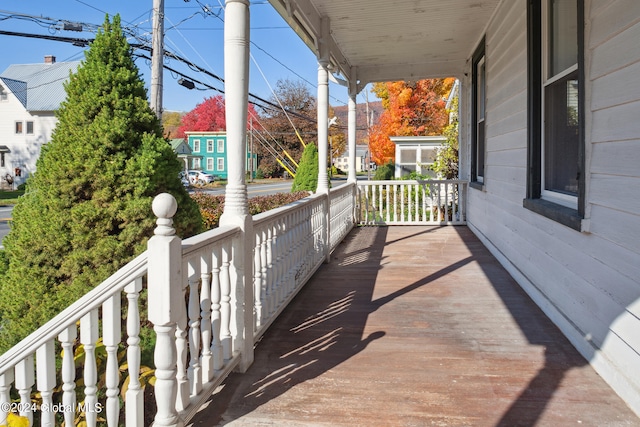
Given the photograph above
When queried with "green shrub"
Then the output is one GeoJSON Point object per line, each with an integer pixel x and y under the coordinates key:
{"type": "Point", "coordinates": [211, 207]}
{"type": "Point", "coordinates": [385, 172]}
{"type": "Point", "coordinates": [307, 173]}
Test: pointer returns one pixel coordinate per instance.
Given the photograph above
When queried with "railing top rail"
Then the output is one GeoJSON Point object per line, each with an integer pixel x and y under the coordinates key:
{"type": "Point", "coordinates": [413, 181]}
{"type": "Point", "coordinates": [341, 188]}
{"type": "Point", "coordinates": [195, 243]}
{"type": "Point", "coordinates": [90, 301]}
{"type": "Point", "coordinates": [272, 214]}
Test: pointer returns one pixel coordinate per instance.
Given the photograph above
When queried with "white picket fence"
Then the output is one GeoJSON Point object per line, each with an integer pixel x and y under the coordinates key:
{"type": "Point", "coordinates": [412, 202]}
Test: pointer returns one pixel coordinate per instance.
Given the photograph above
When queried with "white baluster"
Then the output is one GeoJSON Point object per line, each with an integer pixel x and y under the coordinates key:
{"type": "Point", "coordinates": [111, 337]}
{"type": "Point", "coordinates": [5, 397]}
{"type": "Point", "coordinates": [24, 383]}
{"type": "Point", "coordinates": [257, 281]}
{"type": "Point", "coordinates": [269, 294]}
{"type": "Point", "coordinates": [216, 345]}
{"type": "Point", "coordinates": [194, 372]}
{"type": "Point", "coordinates": [264, 272]}
{"type": "Point", "coordinates": [46, 381]}
{"type": "Point", "coordinates": [182, 398]}
{"type": "Point", "coordinates": [381, 205]}
{"type": "Point", "coordinates": [225, 302]}
{"type": "Point", "coordinates": [67, 339]}
{"type": "Point", "coordinates": [134, 404]}
{"type": "Point", "coordinates": [396, 203]}
{"type": "Point", "coordinates": [424, 202]}
{"type": "Point", "coordinates": [205, 313]}
{"type": "Point", "coordinates": [88, 338]}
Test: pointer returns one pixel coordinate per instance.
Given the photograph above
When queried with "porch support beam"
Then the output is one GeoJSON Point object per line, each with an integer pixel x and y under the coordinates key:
{"type": "Point", "coordinates": [236, 208]}
{"type": "Point", "coordinates": [394, 72]}
{"type": "Point", "coordinates": [351, 125]}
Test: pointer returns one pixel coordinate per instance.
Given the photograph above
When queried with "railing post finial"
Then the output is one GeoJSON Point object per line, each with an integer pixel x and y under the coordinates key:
{"type": "Point", "coordinates": [164, 207]}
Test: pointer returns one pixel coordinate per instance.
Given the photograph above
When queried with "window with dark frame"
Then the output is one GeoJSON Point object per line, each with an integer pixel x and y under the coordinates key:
{"type": "Point", "coordinates": [555, 182]}
{"type": "Point", "coordinates": [30, 128]}
{"type": "Point", "coordinates": [478, 136]}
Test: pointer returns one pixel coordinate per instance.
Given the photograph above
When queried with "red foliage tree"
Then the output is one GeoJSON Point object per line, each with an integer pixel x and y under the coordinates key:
{"type": "Point", "coordinates": [410, 109]}
{"type": "Point", "coordinates": [209, 115]}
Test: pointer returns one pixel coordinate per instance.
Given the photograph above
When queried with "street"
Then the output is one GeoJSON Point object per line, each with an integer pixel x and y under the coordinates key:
{"type": "Point", "coordinates": [5, 215]}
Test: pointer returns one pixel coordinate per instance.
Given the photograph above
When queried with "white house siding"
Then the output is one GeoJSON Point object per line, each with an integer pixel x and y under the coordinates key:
{"type": "Point", "coordinates": [25, 148]}
{"type": "Point", "coordinates": [588, 283]}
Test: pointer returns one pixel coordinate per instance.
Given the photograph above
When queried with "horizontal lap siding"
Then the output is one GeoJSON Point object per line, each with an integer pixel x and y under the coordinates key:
{"type": "Point", "coordinates": [588, 283]}
{"type": "Point", "coordinates": [614, 180]}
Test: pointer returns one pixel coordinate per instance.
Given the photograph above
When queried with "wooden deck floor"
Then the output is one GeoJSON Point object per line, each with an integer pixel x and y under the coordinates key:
{"type": "Point", "coordinates": [414, 326]}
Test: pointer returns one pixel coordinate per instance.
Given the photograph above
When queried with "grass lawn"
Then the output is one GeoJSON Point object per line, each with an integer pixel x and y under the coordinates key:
{"type": "Point", "coordinates": [10, 197]}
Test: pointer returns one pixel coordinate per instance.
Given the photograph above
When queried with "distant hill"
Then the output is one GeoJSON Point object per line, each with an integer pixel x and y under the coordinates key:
{"type": "Point", "coordinates": [375, 110]}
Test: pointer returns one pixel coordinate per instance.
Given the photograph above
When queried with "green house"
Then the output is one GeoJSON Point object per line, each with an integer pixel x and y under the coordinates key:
{"type": "Point", "coordinates": [209, 153]}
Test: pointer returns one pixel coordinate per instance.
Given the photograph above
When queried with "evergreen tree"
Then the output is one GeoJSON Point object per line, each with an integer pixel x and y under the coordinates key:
{"type": "Point", "coordinates": [307, 174]}
{"type": "Point", "coordinates": [87, 209]}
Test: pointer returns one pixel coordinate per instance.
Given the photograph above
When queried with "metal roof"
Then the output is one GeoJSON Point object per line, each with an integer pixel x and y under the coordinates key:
{"type": "Point", "coordinates": [44, 83]}
{"type": "Point", "coordinates": [386, 40]}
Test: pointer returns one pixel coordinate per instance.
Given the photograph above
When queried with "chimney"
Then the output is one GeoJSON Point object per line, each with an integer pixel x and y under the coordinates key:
{"type": "Point", "coordinates": [49, 59]}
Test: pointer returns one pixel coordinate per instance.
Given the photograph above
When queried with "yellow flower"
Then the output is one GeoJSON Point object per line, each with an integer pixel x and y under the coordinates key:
{"type": "Point", "coordinates": [14, 420]}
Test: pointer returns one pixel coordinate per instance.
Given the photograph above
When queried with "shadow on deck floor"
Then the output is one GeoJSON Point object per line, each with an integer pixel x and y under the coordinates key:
{"type": "Point", "coordinates": [414, 326]}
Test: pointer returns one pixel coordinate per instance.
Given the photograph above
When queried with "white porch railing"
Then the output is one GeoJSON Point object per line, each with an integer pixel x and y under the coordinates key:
{"type": "Point", "coordinates": [196, 302]}
{"type": "Point", "coordinates": [412, 202]}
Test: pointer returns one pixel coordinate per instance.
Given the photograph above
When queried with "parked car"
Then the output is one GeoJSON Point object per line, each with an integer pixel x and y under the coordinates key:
{"type": "Point", "coordinates": [184, 179]}
{"type": "Point", "coordinates": [199, 177]}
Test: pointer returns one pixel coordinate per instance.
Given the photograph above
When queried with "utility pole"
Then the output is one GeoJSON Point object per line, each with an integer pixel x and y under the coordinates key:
{"type": "Point", "coordinates": [157, 54]}
{"type": "Point", "coordinates": [251, 165]}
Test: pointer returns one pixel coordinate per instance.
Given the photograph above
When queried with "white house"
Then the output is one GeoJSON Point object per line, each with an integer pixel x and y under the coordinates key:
{"type": "Point", "coordinates": [362, 157]}
{"type": "Point", "coordinates": [29, 96]}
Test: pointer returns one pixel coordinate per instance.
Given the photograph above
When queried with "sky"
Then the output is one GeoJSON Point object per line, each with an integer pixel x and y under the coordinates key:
{"type": "Point", "coordinates": [193, 30]}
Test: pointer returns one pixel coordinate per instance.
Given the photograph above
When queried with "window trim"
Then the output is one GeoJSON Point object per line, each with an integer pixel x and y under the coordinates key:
{"type": "Point", "coordinates": [210, 164]}
{"type": "Point", "coordinates": [220, 160]}
{"type": "Point", "coordinates": [196, 141]}
{"type": "Point", "coordinates": [210, 144]}
{"type": "Point", "coordinates": [478, 56]}
{"type": "Point", "coordinates": [557, 212]}
{"type": "Point", "coordinates": [19, 127]}
{"type": "Point", "coordinates": [220, 145]}
{"type": "Point", "coordinates": [32, 128]}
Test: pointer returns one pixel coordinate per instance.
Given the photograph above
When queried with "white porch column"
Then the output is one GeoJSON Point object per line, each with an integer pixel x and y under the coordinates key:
{"type": "Point", "coordinates": [236, 207]}
{"type": "Point", "coordinates": [351, 126]}
{"type": "Point", "coordinates": [323, 109]}
{"type": "Point", "coordinates": [323, 132]}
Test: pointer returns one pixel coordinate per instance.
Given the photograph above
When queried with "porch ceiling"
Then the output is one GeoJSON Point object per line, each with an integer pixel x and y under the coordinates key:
{"type": "Point", "coordinates": [392, 39]}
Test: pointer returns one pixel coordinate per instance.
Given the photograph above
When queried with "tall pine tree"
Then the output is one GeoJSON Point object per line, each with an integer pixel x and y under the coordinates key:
{"type": "Point", "coordinates": [87, 209]}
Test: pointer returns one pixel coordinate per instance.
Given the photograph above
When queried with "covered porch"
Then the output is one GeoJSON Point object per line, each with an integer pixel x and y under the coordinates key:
{"type": "Point", "coordinates": [416, 325]}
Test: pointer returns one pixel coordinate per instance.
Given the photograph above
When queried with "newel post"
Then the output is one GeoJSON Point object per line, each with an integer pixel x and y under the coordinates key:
{"type": "Point", "coordinates": [164, 263]}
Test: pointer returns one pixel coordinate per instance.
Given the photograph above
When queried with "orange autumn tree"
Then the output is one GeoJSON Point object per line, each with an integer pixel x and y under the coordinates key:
{"type": "Point", "coordinates": [410, 109]}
